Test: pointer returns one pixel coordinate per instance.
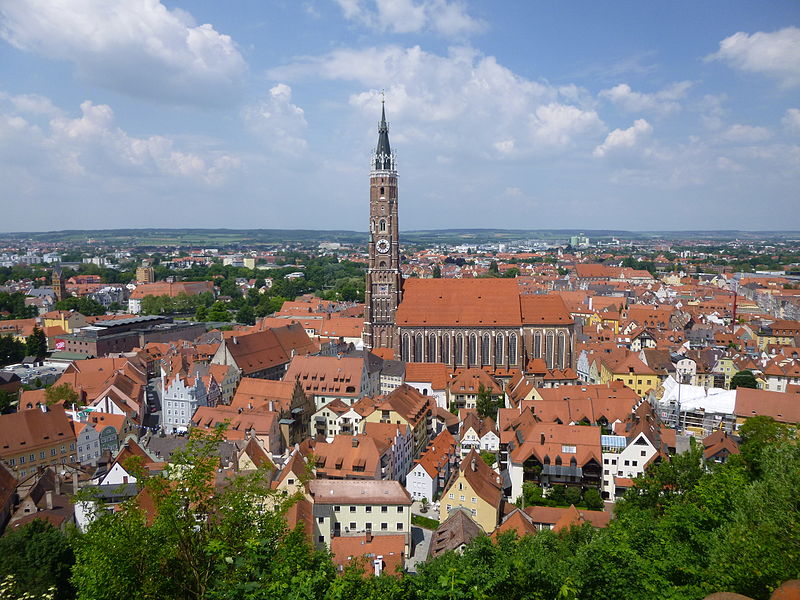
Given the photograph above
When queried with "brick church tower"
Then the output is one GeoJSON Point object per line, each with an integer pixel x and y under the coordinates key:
{"type": "Point", "coordinates": [384, 287]}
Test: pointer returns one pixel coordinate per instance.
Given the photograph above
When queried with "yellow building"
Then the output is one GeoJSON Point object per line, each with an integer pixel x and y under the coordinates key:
{"type": "Point", "coordinates": [68, 320]}
{"type": "Point", "coordinates": [477, 489]}
{"type": "Point", "coordinates": [631, 371]}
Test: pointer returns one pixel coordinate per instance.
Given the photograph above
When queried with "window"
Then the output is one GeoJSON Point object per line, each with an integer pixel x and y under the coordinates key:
{"type": "Point", "coordinates": [485, 356]}
{"type": "Point", "coordinates": [451, 496]}
{"type": "Point", "coordinates": [474, 500]}
{"type": "Point", "coordinates": [459, 351]}
{"type": "Point", "coordinates": [32, 457]}
{"type": "Point", "coordinates": [462, 498]}
{"type": "Point", "coordinates": [605, 472]}
{"type": "Point", "coordinates": [320, 519]}
{"type": "Point", "coordinates": [474, 512]}
{"type": "Point", "coordinates": [399, 509]}
{"type": "Point", "coordinates": [627, 463]}
{"type": "Point", "coordinates": [352, 526]}
{"type": "Point", "coordinates": [472, 350]}
{"type": "Point", "coordinates": [384, 526]}
{"type": "Point", "coordinates": [635, 463]}
{"type": "Point", "coordinates": [384, 509]}
{"type": "Point", "coordinates": [336, 508]}
{"type": "Point", "coordinates": [644, 452]}
{"type": "Point", "coordinates": [369, 509]}
{"type": "Point", "coordinates": [22, 460]}
{"type": "Point", "coordinates": [321, 539]}
{"type": "Point", "coordinates": [512, 349]}
{"type": "Point", "coordinates": [399, 527]}
{"type": "Point", "coordinates": [352, 509]}
{"type": "Point", "coordinates": [12, 461]}
{"type": "Point", "coordinates": [460, 486]}
{"type": "Point", "coordinates": [445, 349]}
{"type": "Point", "coordinates": [41, 454]}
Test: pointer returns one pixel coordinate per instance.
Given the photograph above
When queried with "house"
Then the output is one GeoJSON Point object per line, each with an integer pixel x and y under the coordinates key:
{"type": "Point", "coordinates": [455, 533]}
{"type": "Point", "coordinates": [163, 288]}
{"type": "Point", "coordinates": [294, 407]}
{"type": "Point", "coordinates": [478, 434]}
{"type": "Point", "coordinates": [88, 442]}
{"type": "Point", "coordinates": [352, 457]}
{"type": "Point", "coordinates": [431, 379]}
{"type": "Point", "coordinates": [476, 488]}
{"type": "Point", "coordinates": [432, 469]}
{"type": "Point", "coordinates": [262, 424]}
{"type": "Point", "coordinates": [401, 446]}
{"type": "Point", "coordinates": [378, 553]}
{"type": "Point", "coordinates": [181, 396]}
{"type": "Point", "coordinates": [30, 439]}
{"type": "Point", "coordinates": [718, 446]}
{"type": "Point", "coordinates": [550, 454]}
{"type": "Point", "coordinates": [346, 508]}
{"type": "Point", "coordinates": [467, 384]}
{"type": "Point", "coordinates": [558, 519]}
{"type": "Point", "coordinates": [518, 522]}
{"type": "Point", "coordinates": [328, 378]}
{"type": "Point", "coordinates": [264, 354]}
{"type": "Point", "coordinates": [403, 406]}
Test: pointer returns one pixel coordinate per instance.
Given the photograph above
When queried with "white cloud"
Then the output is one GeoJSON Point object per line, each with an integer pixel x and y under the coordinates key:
{"type": "Point", "coordinates": [464, 101]}
{"type": "Point", "coordinates": [32, 104]}
{"type": "Point", "coordinates": [791, 120]}
{"type": "Point", "coordinates": [445, 17]}
{"type": "Point", "coordinates": [663, 102]}
{"type": "Point", "coordinates": [93, 145]}
{"type": "Point", "coordinates": [776, 54]}
{"type": "Point", "coordinates": [746, 133]}
{"type": "Point", "coordinates": [623, 139]}
{"type": "Point", "coordinates": [140, 48]}
{"type": "Point", "coordinates": [278, 122]}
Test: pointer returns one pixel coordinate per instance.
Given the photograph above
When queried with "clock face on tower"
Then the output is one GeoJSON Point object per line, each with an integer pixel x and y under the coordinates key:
{"type": "Point", "coordinates": [382, 246]}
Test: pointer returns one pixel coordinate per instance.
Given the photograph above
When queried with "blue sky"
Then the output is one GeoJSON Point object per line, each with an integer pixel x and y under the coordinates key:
{"type": "Point", "coordinates": [258, 113]}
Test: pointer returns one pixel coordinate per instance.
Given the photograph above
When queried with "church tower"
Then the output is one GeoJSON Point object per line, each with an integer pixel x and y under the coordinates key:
{"type": "Point", "coordinates": [58, 283]}
{"type": "Point", "coordinates": [384, 288]}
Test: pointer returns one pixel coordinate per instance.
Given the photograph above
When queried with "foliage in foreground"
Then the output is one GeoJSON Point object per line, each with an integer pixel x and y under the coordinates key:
{"type": "Point", "coordinates": [683, 532]}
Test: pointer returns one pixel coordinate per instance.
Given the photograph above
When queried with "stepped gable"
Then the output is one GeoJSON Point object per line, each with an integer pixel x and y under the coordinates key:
{"type": "Point", "coordinates": [460, 303]}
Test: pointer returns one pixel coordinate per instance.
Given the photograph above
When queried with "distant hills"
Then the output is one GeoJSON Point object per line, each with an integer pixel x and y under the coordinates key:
{"type": "Point", "coordinates": [251, 237]}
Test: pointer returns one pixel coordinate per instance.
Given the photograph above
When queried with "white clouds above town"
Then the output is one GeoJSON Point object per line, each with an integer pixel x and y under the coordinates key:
{"type": "Point", "coordinates": [624, 139]}
{"type": "Point", "coordinates": [746, 133]}
{"type": "Point", "coordinates": [92, 145]}
{"type": "Point", "coordinates": [791, 120]}
{"type": "Point", "coordinates": [279, 124]}
{"type": "Point", "coordinates": [138, 48]}
{"type": "Point", "coordinates": [448, 18]}
{"type": "Point", "coordinates": [462, 100]}
{"type": "Point", "coordinates": [775, 54]}
{"type": "Point", "coordinates": [664, 101]}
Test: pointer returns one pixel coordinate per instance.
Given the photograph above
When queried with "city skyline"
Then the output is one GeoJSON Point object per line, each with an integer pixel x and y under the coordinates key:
{"type": "Point", "coordinates": [680, 117]}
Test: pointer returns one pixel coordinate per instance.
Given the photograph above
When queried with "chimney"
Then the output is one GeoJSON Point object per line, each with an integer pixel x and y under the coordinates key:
{"type": "Point", "coordinates": [369, 537]}
{"type": "Point", "coordinates": [355, 442]}
{"type": "Point", "coordinates": [378, 565]}
{"type": "Point", "coordinates": [271, 406]}
{"type": "Point", "coordinates": [48, 498]}
{"type": "Point", "coordinates": [474, 464]}
{"type": "Point", "coordinates": [235, 340]}
{"type": "Point", "coordinates": [43, 408]}
{"type": "Point", "coordinates": [57, 480]}
{"type": "Point", "coordinates": [75, 482]}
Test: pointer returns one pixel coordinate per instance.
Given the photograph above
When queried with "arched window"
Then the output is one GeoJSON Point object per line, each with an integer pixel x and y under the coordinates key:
{"type": "Point", "coordinates": [473, 350]}
{"type": "Point", "coordinates": [382, 225]}
{"type": "Point", "coordinates": [405, 350]}
{"type": "Point", "coordinates": [498, 349]}
{"type": "Point", "coordinates": [445, 350]}
{"type": "Point", "coordinates": [418, 348]}
{"type": "Point", "coordinates": [431, 348]}
{"type": "Point", "coordinates": [547, 459]}
{"type": "Point", "coordinates": [549, 350]}
{"type": "Point", "coordinates": [560, 351]}
{"type": "Point", "coordinates": [486, 357]}
{"type": "Point", "coordinates": [537, 345]}
{"type": "Point", "coordinates": [558, 461]}
{"type": "Point", "coordinates": [573, 462]}
{"type": "Point", "coordinates": [382, 264]}
{"type": "Point", "coordinates": [381, 191]}
{"type": "Point", "coordinates": [459, 353]}
{"type": "Point", "coordinates": [512, 349]}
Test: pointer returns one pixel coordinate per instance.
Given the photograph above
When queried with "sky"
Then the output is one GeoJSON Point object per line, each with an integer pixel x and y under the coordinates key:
{"type": "Point", "coordinates": [243, 114]}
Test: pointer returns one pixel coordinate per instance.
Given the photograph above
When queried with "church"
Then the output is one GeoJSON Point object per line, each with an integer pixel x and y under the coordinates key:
{"type": "Point", "coordinates": [489, 323]}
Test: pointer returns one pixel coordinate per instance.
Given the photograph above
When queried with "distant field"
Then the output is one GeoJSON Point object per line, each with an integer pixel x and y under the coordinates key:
{"type": "Point", "coordinates": [254, 237]}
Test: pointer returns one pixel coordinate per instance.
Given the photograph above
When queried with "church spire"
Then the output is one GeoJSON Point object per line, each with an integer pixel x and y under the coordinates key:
{"type": "Point", "coordinates": [383, 159]}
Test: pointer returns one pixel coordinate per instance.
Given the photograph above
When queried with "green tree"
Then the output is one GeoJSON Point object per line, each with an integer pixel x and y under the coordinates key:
{"type": "Point", "coordinates": [63, 393]}
{"type": "Point", "coordinates": [36, 343]}
{"type": "Point", "coordinates": [39, 557]}
{"type": "Point", "coordinates": [494, 270]}
{"type": "Point", "coordinates": [744, 379]}
{"type": "Point", "coordinates": [758, 434]}
{"type": "Point", "coordinates": [11, 350]}
{"type": "Point", "coordinates": [486, 404]}
{"type": "Point", "coordinates": [86, 306]}
{"type": "Point", "coordinates": [199, 540]}
{"type": "Point", "coordinates": [218, 312]}
{"type": "Point", "coordinates": [7, 400]}
{"type": "Point", "coordinates": [437, 272]}
{"type": "Point", "coordinates": [246, 315]}
{"type": "Point", "coordinates": [488, 457]}
{"type": "Point", "coordinates": [593, 500]}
